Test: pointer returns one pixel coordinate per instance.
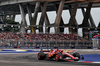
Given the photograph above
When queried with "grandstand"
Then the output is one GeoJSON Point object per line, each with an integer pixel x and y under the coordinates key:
{"type": "Point", "coordinates": [43, 40]}
{"type": "Point", "coordinates": [11, 8]}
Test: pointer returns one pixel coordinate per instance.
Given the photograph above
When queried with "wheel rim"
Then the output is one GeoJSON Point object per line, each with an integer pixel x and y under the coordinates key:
{"type": "Point", "coordinates": [57, 57]}
{"type": "Point", "coordinates": [39, 56]}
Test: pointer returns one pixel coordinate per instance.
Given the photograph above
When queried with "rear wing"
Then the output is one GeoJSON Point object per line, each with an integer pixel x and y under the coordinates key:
{"type": "Point", "coordinates": [45, 50]}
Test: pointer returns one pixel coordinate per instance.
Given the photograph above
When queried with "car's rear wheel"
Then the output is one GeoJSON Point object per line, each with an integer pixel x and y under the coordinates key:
{"type": "Point", "coordinates": [41, 56]}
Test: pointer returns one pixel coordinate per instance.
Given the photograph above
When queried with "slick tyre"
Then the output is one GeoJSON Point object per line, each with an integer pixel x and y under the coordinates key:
{"type": "Point", "coordinates": [76, 55]}
{"type": "Point", "coordinates": [41, 56]}
{"type": "Point", "coordinates": [57, 58]}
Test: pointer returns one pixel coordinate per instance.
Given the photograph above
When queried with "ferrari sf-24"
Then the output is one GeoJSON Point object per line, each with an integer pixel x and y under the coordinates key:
{"type": "Point", "coordinates": [59, 55]}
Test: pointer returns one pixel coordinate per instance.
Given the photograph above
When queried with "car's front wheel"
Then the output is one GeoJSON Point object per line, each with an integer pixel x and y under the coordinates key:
{"type": "Point", "coordinates": [57, 58]}
{"type": "Point", "coordinates": [76, 54]}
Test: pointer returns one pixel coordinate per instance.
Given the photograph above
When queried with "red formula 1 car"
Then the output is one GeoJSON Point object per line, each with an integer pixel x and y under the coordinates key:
{"type": "Point", "coordinates": [59, 55]}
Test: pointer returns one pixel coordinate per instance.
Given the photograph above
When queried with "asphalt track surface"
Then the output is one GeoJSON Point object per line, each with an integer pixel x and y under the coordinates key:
{"type": "Point", "coordinates": [30, 59]}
